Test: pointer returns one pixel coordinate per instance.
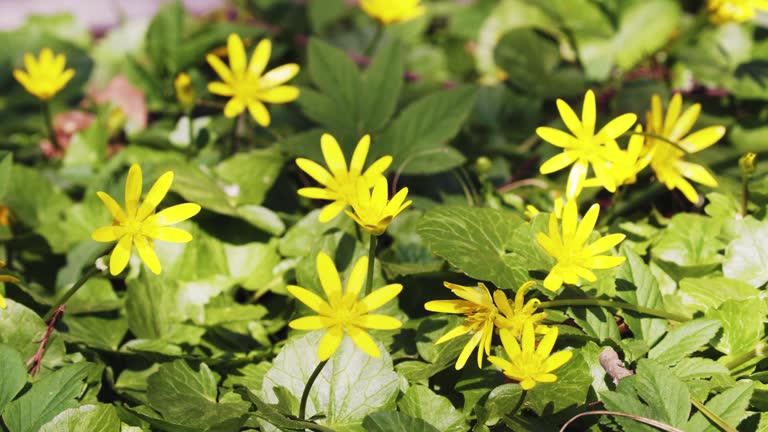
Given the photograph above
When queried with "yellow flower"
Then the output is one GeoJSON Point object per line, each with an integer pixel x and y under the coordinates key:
{"type": "Point", "coordinates": [574, 257]}
{"type": "Point", "coordinates": [248, 85]}
{"type": "Point", "coordinates": [44, 77]}
{"type": "Point", "coordinates": [527, 363]}
{"type": "Point", "coordinates": [185, 93]}
{"type": "Point", "coordinates": [340, 183]}
{"type": "Point", "coordinates": [392, 11]}
{"type": "Point", "coordinates": [558, 203]}
{"type": "Point", "coordinates": [480, 312]}
{"type": "Point", "coordinates": [5, 278]}
{"type": "Point", "coordinates": [372, 210]}
{"type": "Point", "coordinates": [583, 148]}
{"type": "Point", "coordinates": [139, 224]}
{"type": "Point", "coordinates": [513, 318]}
{"type": "Point", "coordinates": [343, 313]}
{"type": "Point", "coordinates": [626, 164]}
{"type": "Point", "coordinates": [724, 11]}
{"type": "Point", "coordinates": [667, 160]}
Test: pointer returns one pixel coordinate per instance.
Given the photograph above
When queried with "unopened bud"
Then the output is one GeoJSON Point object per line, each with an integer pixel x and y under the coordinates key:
{"type": "Point", "coordinates": [483, 165]}
{"type": "Point", "coordinates": [185, 93]}
{"type": "Point", "coordinates": [748, 163]}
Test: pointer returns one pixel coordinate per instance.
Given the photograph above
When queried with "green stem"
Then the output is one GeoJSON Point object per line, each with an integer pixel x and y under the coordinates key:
{"type": "Point", "coordinates": [519, 402]}
{"type": "Point", "coordinates": [744, 194]}
{"type": "Point", "coordinates": [308, 387]}
{"type": "Point", "coordinates": [191, 130]}
{"type": "Point", "coordinates": [67, 295]}
{"type": "Point", "coordinates": [758, 351]}
{"type": "Point", "coordinates": [615, 305]}
{"type": "Point", "coordinates": [712, 417]}
{"type": "Point", "coordinates": [371, 260]}
{"type": "Point", "coordinates": [49, 125]}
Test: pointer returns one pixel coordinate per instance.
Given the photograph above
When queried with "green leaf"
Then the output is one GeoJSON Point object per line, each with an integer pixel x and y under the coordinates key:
{"type": "Point", "coordinates": [746, 257]}
{"type": "Point", "coordinates": [636, 285]}
{"type": "Point", "coordinates": [6, 168]}
{"type": "Point", "coordinates": [13, 375]}
{"type": "Point", "coordinates": [395, 421]}
{"type": "Point", "coordinates": [32, 198]}
{"type": "Point", "coordinates": [501, 401]}
{"type": "Point", "coordinates": [164, 37]}
{"type": "Point", "coordinates": [381, 87]}
{"type": "Point", "coordinates": [22, 329]}
{"type": "Point", "coordinates": [684, 340]}
{"type": "Point", "coordinates": [416, 138]}
{"type": "Point", "coordinates": [571, 388]}
{"type": "Point", "coordinates": [473, 240]}
{"type": "Point", "coordinates": [698, 368]}
{"type": "Point", "coordinates": [596, 322]}
{"type": "Point", "coordinates": [421, 402]}
{"type": "Point", "coordinates": [351, 385]}
{"type": "Point", "coordinates": [46, 399]}
{"type": "Point", "coordinates": [703, 294]}
{"type": "Point", "coordinates": [88, 147]}
{"type": "Point", "coordinates": [742, 322]}
{"type": "Point", "coordinates": [268, 413]}
{"type": "Point", "coordinates": [188, 397]}
{"type": "Point", "coordinates": [91, 418]}
{"type": "Point", "coordinates": [321, 14]}
{"type": "Point", "coordinates": [630, 404]}
{"type": "Point", "coordinates": [95, 331]}
{"type": "Point", "coordinates": [666, 394]}
{"type": "Point", "coordinates": [253, 172]}
{"type": "Point", "coordinates": [688, 247]}
{"type": "Point", "coordinates": [730, 405]}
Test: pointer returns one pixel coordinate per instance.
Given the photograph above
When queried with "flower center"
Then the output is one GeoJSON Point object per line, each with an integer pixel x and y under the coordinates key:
{"type": "Point", "coordinates": [132, 226]}
{"type": "Point", "coordinates": [529, 364]}
{"type": "Point", "coordinates": [246, 87]}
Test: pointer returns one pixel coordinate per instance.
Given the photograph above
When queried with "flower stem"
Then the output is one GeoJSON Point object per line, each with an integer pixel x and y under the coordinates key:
{"type": "Point", "coordinates": [519, 403]}
{"type": "Point", "coordinates": [371, 258]}
{"type": "Point", "coordinates": [305, 394]}
{"type": "Point", "coordinates": [67, 295]}
{"type": "Point", "coordinates": [616, 305]}
{"type": "Point", "coordinates": [49, 125]}
{"type": "Point", "coordinates": [191, 130]}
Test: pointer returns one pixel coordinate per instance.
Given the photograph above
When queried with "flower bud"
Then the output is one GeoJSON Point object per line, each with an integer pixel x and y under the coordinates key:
{"type": "Point", "coordinates": [748, 163]}
{"type": "Point", "coordinates": [185, 93]}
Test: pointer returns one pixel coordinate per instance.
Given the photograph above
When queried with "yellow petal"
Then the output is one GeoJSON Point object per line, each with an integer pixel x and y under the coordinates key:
{"type": "Point", "coordinates": [685, 123]}
{"type": "Point", "coordinates": [378, 322]}
{"type": "Point", "coordinates": [281, 94]}
{"type": "Point", "coordinates": [454, 333]}
{"type": "Point", "coordinates": [673, 113]}
{"type": "Point", "coordinates": [697, 173]}
{"type": "Point", "coordinates": [318, 193]}
{"type": "Point", "coordinates": [364, 341]}
{"type": "Point", "coordinates": [120, 255]}
{"type": "Point", "coordinates": [221, 69]}
{"type": "Point", "coordinates": [236, 53]}
{"type": "Point", "coordinates": [329, 278]}
{"type": "Point", "coordinates": [586, 225]}
{"type": "Point", "coordinates": [221, 89]}
{"type": "Point", "coordinates": [156, 194]}
{"type": "Point", "coordinates": [330, 342]}
{"type": "Point", "coordinates": [174, 214]}
{"type": "Point", "coordinates": [315, 322]}
{"type": "Point", "coordinates": [686, 188]}
{"type": "Point", "coordinates": [468, 348]}
{"type": "Point", "coordinates": [147, 253]}
{"type": "Point", "coordinates": [528, 340]}
{"type": "Point", "coordinates": [448, 306]}
{"type": "Point", "coordinates": [558, 162]}
{"type": "Point", "coordinates": [570, 219]}
{"type": "Point", "coordinates": [527, 384]}
{"type": "Point", "coordinates": [356, 279]}
{"type": "Point", "coordinates": [315, 170]}
{"type": "Point", "coordinates": [615, 128]}
{"type": "Point", "coordinates": [359, 155]}
{"type": "Point", "coordinates": [557, 359]}
{"type": "Point", "coordinates": [260, 57]}
{"type": "Point", "coordinates": [233, 107]}
{"type": "Point", "coordinates": [702, 139]}
{"type": "Point", "coordinates": [604, 243]}
{"type": "Point", "coordinates": [279, 75]}
{"type": "Point", "coordinates": [333, 155]}
{"type": "Point", "coordinates": [547, 343]}
{"type": "Point", "coordinates": [553, 281]}
{"type": "Point", "coordinates": [379, 297]}
{"type": "Point", "coordinates": [605, 261]}
{"type": "Point", "coordinates": [107, 233]}
{"type": "Point", "coordinates": [576, 180]}
{"type": "Point", "coordinates": [502, 302]}
{"type": "Point", "coordinates": [3, 304]}
{"type": "Point", "coordinates": [331, 211]}
{"type": "Point", "coordinates": [588, 114]}
{"type": "Point", "coordinates": [169, 234]}
{"type": "Point", "coordinates": [310, 299]}
{"type": "Point", "coordinates": [114, 208]}
{"type": "Point", "coordinates": [569, 118]}
{"type": "Point", "coordinates": [259, 113]}
{"type": "Point", "coordinates": [555, 137]}
{"type": "Point", "coordinates": [377, 169]}
{"type": "Point", "coordinates": [545, 378]}
{"type": "Point", "coordinates": [133, 190]}
{"type": "Point", "coordinates": [509, 343]}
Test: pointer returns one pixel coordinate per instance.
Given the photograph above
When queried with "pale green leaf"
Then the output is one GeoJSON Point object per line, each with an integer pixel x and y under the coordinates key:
{"type": "Point", "coordinates": [730, 405]}
{"type": "Point", "coordinates": [421, 402]}
{"type": "Point", "coordinates": [91, 418]}
{"type": "Point", "coordinates": [684, 340]}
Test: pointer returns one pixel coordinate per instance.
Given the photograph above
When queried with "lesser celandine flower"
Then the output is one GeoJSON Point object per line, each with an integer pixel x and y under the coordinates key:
{"type": "Point", "coordinates": [373, 210]}
{"type": "Point", "coordinates": [247, 84]}
{"type": "Point", "coordinates": [392, 11]}
{"type": "Point", "coordinates": [477, 305]}
{"type": "Point", "coordinates": [514, 316]}
{"type": "Point", "coordinates": [185, 93]}
{"type": "Point", "coordinates": [339, 180]}
{"type": "Point", "coordinates": [575, 258]}
{"type": "Point", "coordinates": [626, 164]}
{"type": "Point", "coordinates": [46, 76]}
{"type": "Point", "coordinates": [583, 147]}
{"type": "Point", "coordinates": [344, 313]}
{"type": "Point", "coordinates": [139, 225]}
{"type": "Point", "coordinates": [724, 11]}
{"type": "Point", "coordinates": [667, 160]}
{"type": "Point", "coordinates": [5, 278]}
{"type": "Point", "coordinates": [529, 364]}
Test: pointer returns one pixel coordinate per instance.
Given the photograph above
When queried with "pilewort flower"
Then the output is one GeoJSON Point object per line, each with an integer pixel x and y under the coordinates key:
{"type": "Point", "coordinates": [340, 182]}
{"type": "Point", "coordinates": [667, 160]}
{"type": "Point", "coordinates": [373, 211]}
{"type": "Point", "coordinates": [46, 76]}
{"type": "Point", "coordinates": [514, 316]}
{"type": "Point", "coordinates": [575, 258]}
{"type": "Point", "coordinates": [392, 11]}
{"type": "Point", "coordinates": [477, 305]}
{"type": "Point", "coordinates": [344, 313]}
{"type": "Point", "coordinates": [5, 278]}
{"type": "Point", "coordinates": [529, 364]}
{"type": "Point", "coordinates": [139, 225]}
{"type": "Point", "coordinates": [185, 93]}
{"type": "Point", "coordinates": [724, 11]}
{"type": "Point", "coordinates": [583, 147]}
{"type": "Point", "coordinates": [247, 84]}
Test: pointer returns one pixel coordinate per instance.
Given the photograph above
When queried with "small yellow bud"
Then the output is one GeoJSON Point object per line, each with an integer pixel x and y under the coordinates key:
{"type": "Point", "coordinates": [483, 165]}
{"type": "Point", "coordinates": [185, 93]}
{"type": "Point", "coordinates": [748, 163]}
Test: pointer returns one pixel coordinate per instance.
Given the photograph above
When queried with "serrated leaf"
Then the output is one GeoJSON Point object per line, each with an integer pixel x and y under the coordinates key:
{"type": "Point", "coordinates": [620, 402]}
{"type": "Point", "coordinates": [666, 394]}
{"type": "Point", "coordinates": [684, 340]}
{"type": "Point", "coordinates": [742, 322]}
{"type": "Point", "coordinates": [46, 399]}
{"type": "Point", "coordinates": [395, 421]}
{"type": "Point", "coordinates": [730, 405]}
{"type": "Point", "coordinates": [351, 385]}
{"type": "Point", "coordinates": [421, 402]}
{"type": "Point", "coordinates": [597, 322]}
{"type": "Point", "coordinates": [163, 38]}
{"type": "Point", "coordinates": [91, 418]}
{"type": "Point", "coordinates": [188, 397]}
{"type": "Point", "coordinates": [13, 375]}
{"type": "Point", "coordinates": [636, 285]}
{"type": "Point", "coordinates": [473, 240]}
{"type": "Point", "coordinates": [703, 294]}
{"type": "Point", "coordinates": [698, 368]}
